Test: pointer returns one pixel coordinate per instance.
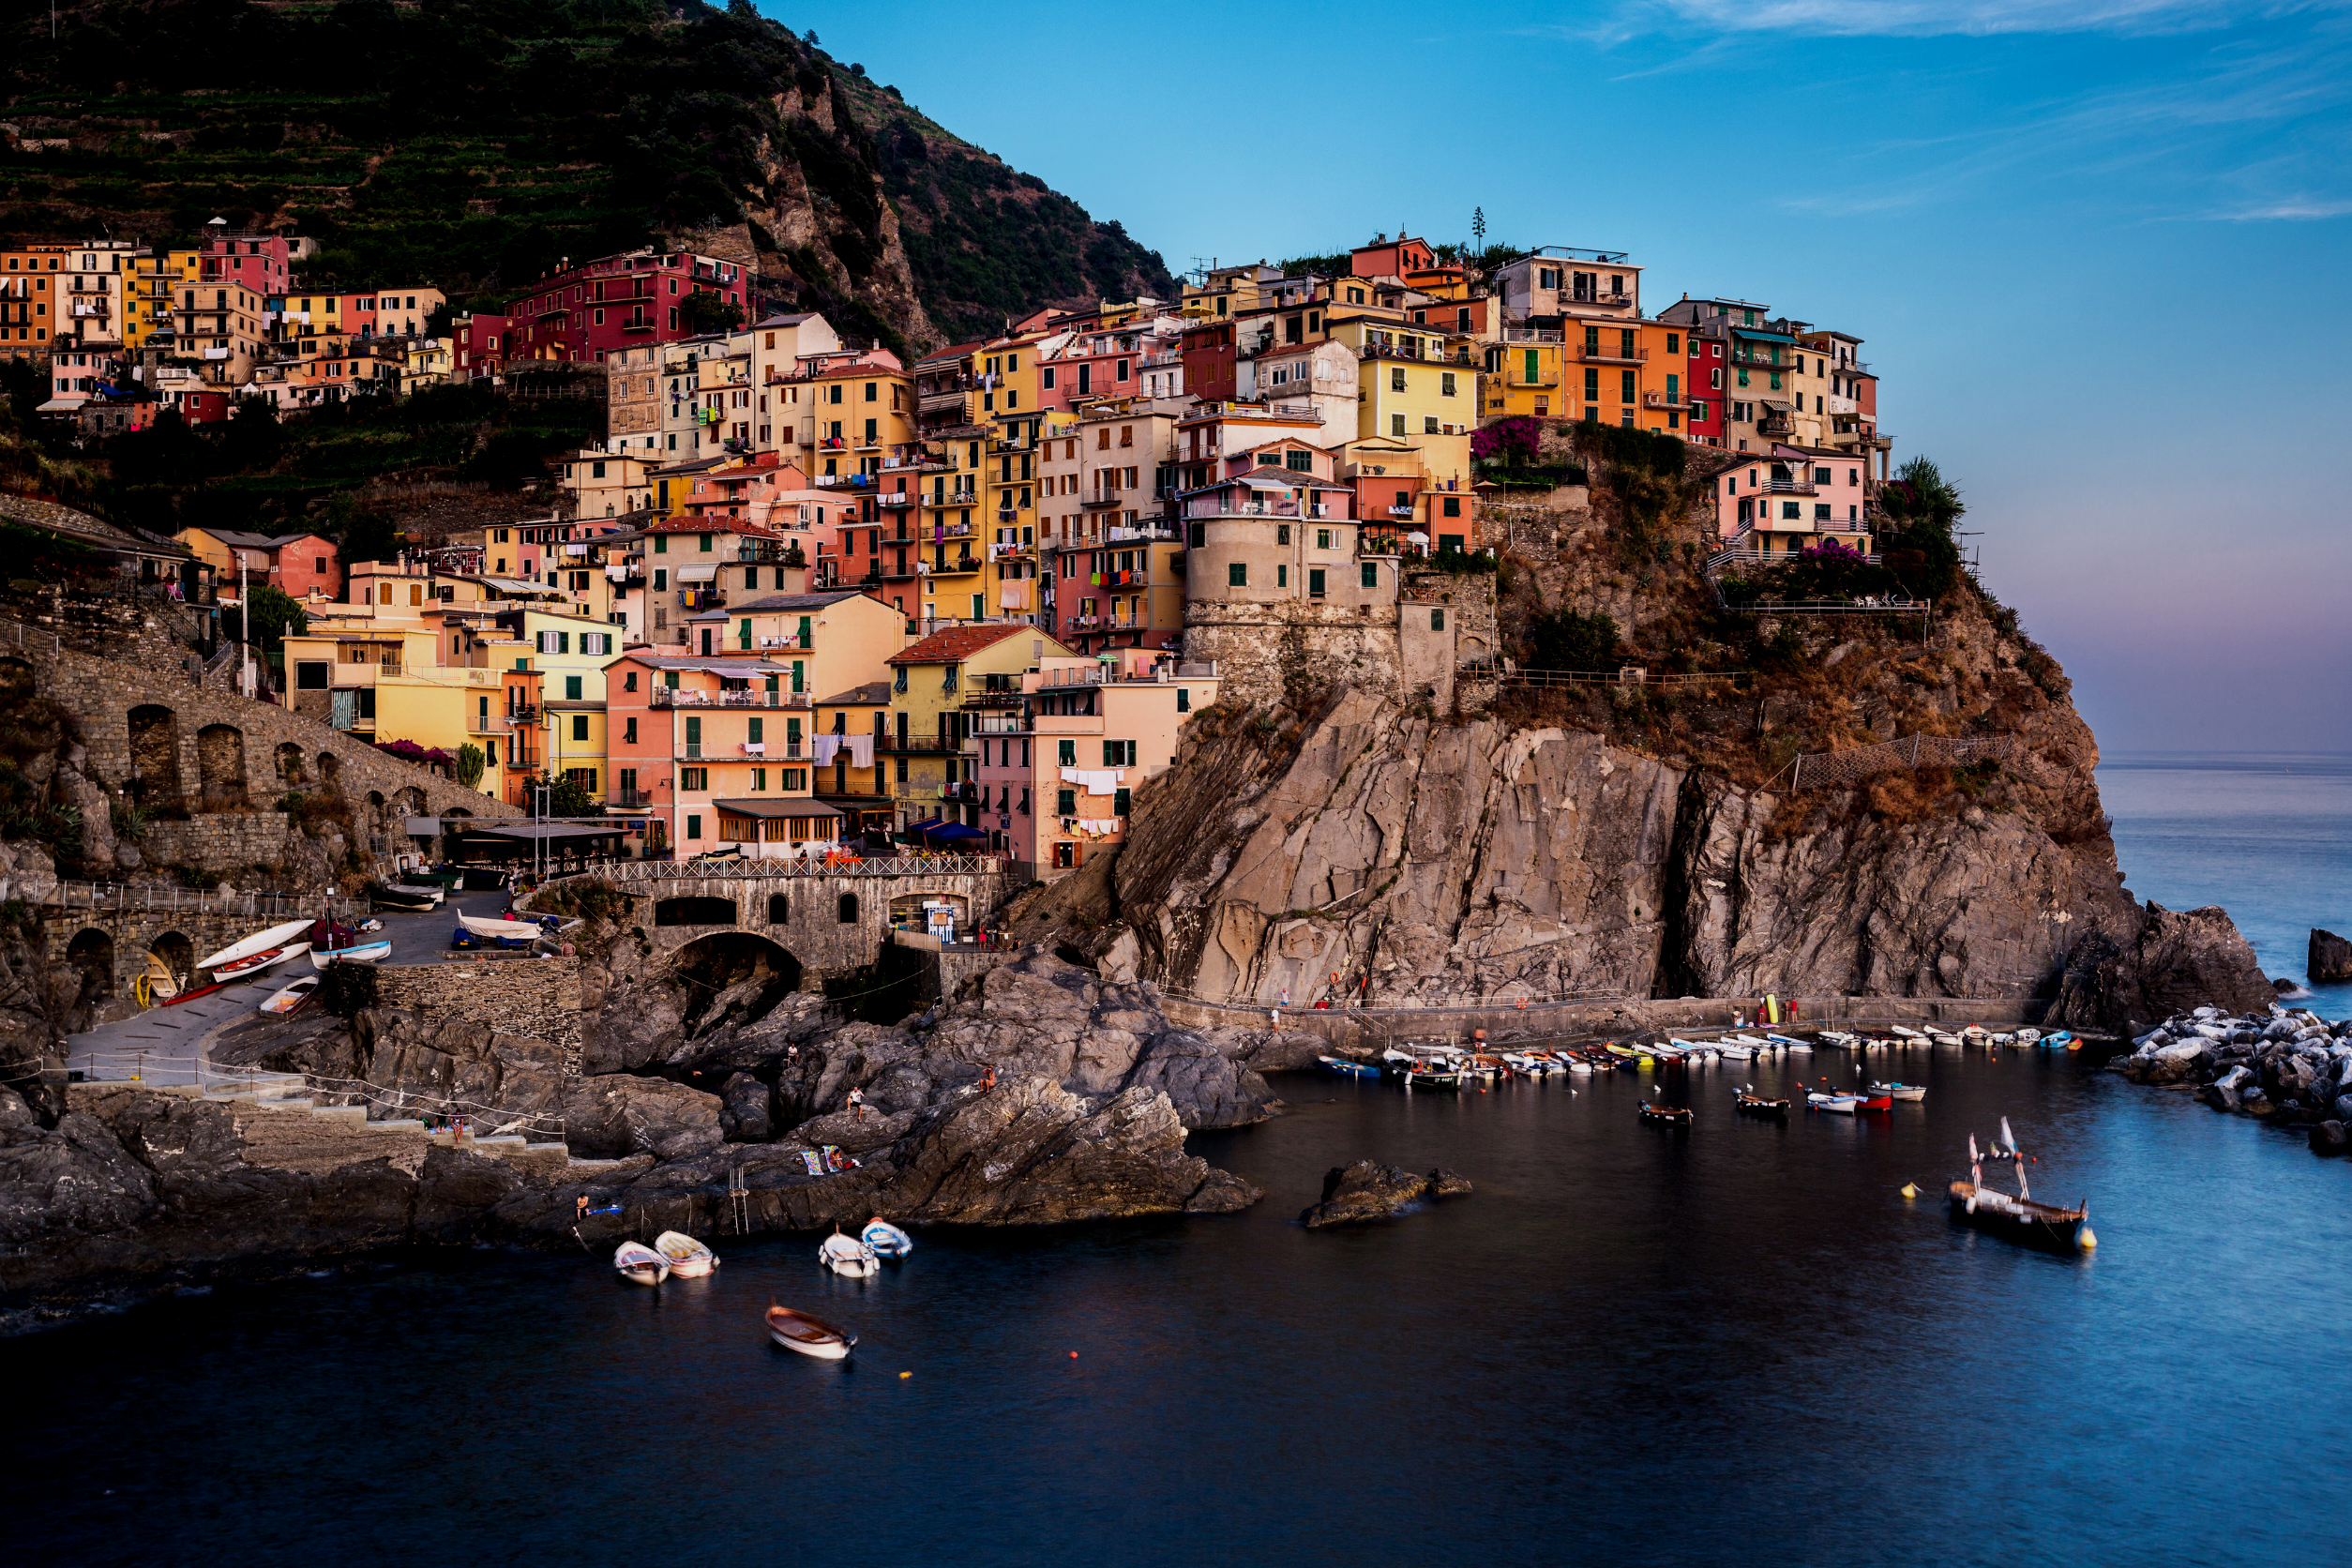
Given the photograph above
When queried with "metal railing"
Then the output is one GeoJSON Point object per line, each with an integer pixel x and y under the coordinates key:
{"type": "Point", "coordinates": [668, 697]}
{"type": "Point", "coordinates": [125, 896]}
{"type": "Point", "coordinates": [812, 866]}
{"type": "Point", "coordinates": [1822, 770]}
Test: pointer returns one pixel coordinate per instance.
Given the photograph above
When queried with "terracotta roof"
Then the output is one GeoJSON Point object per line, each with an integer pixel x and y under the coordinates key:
{"type": "Point", "coordinates": [956, 644]}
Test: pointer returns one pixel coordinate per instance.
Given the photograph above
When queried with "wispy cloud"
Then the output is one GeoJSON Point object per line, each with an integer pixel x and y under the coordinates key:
{"type": "Point", "coordinates": [1928, 18]}
{"type": "Point", "coordinates": [2292, 210]}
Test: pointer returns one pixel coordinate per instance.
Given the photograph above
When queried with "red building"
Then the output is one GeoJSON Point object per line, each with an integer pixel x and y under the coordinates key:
{"type": "Point", "coordinates": [582, 313]}
{"type": "Point", "coordinates": [1210, 371]}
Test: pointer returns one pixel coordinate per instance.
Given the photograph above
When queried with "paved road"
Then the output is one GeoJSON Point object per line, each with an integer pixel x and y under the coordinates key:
{"type": "Point", "coordinates": [163, 1044]}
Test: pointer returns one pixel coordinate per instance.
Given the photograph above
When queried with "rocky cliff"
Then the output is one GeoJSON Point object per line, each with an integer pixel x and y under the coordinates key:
{"type": "Point", "coordinates": [1647, 841]}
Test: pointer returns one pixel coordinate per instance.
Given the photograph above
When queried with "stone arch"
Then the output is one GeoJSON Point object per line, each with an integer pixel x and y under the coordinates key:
{"type": "Point", "coordinates": [290, 764]}
{"type": "Point", "coordinates": [693, 910]}
{"type": "Point", "coordinates": [17, 682]}
{"type": "Point", "coordinates": [710, 967]}
{"type": "Point", "coordinates": [92, 952]}
{"type": "Point", "coordinates": [176, 953]}
{"type": "Point", "coordinates": [780, 908]}
{"type": "Point", "coordinates": [409, 801]}
{"type": "Point", "coordinates": [220, 766]}
{"type": "Point", "coordinates": [155, 756]}
{"type": "Point", "coordinates": [330, 770]}
{"type": "Point", "coordinates": [846, 910]}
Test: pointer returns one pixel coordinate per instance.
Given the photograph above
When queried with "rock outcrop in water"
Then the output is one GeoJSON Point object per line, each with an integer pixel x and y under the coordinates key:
{"type": "Point", "coordinates": [1365, 1191]}
{"type": "Point", "coordinates": [2329, 959]}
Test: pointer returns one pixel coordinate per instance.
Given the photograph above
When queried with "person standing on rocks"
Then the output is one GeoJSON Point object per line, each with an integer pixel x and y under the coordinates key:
{"type": "Point", "coordinates": [857, 1104]}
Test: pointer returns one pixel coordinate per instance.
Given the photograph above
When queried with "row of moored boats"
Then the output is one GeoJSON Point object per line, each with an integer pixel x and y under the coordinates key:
{"type": "Point", "coordinates": [1447, 1066]}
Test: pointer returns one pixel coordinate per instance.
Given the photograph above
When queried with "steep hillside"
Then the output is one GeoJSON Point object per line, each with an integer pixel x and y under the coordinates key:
{"type": "Point", "coordinates": [1646, 841]}
{"type": "Point", "coordinates": [473, 143]}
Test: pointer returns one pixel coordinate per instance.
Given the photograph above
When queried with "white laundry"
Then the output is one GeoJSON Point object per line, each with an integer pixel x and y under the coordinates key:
{"type": "Point", "coordinates": [827, 746]}
{"type": "Point", "coordinates": [1095, 781]}
{"type": "Point", "coordinates": [861, 752]}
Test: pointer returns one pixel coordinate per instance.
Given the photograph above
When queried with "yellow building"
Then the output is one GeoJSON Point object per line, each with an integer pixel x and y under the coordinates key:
{"type": "Point", "coordinates": [1525, 376]}
{"type": "Point", "coordinates": [381, 682]}
{"type": "Point", "coordinates": [1416, 383]}
{"type": "Point", "coordinates": [147, 306]}
{"type": "Point", "coordinates": [825, 642]}
{"type": "Point", "coordinates": [929, 722]}
{"type": "Point", "coordinates": [426, 363]}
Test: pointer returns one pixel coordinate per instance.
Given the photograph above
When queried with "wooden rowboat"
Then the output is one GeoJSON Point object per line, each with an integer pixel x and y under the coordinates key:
{"type": "Point", "coordinates": [1901, 1091]}
{"type": "Point", "coordinates": [290, 998]}
{"type": "Point", "coordinates": [277, 936]}
{"type": "Point", "coordinates": [1667, 1116]}
{"type": "Point", "coordinates": [688, 1257]}
{"type": "Point", "coordinates": [254, 963]}
{"type": "Point", "coordinates": [2020, 1219]}
{"type": "Point", "coordinates": [1762, 1108]}
{"type": "Point", "coordinates": [366, 952]}
{"type": "Point", "coordinates": [1347, 1069]}
{"type": "Point", "coordinates": [810, 1336]}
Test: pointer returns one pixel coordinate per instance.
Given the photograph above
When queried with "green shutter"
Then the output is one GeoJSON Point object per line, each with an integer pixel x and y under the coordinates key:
{"type": "Point", "coordinates": [1534, 367]}
{"type": "Point", "coordinates": [1065, 803]}
{"type": "Point", "coordinates": [1674, 387]}
{"type": "Point", "coordinates": [757, 732]}
{"type": "Point", "coordinates": [694, 730]}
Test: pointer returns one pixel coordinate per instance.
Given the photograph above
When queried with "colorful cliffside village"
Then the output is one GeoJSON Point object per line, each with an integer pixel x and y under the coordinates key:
{"type": "Point", "coordinates": [809, 595]}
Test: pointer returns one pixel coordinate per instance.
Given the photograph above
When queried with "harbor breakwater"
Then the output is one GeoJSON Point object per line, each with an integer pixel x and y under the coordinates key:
{"type": "Point", "coordinates": [2290, 1067]}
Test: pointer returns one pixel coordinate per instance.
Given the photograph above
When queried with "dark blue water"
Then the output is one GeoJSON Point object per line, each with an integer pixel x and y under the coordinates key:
{"type": "Point", "coordinates": [1629, 1347]}
{"type": "Point", "coordinates": [2268, 839]}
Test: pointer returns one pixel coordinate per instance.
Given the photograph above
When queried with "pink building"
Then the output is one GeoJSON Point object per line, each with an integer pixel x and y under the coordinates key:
{"type": "Point", "coordinates": [1782, 501]}
{"type": "Point", "coordinates": [1057, 772]}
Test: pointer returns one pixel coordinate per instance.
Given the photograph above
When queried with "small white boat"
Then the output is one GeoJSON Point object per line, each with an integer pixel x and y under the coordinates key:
{"type": "Point", "coordinates": [2028, 1037]}
{"type": "Point", "coordinates": [365, 953]}
{"type": "Point", "coordinates": [1949, 1041]}
{"type": "Point", "coordinates": [887, 1239]}
{"type": "Point", "coordinates": [432, 893]}
{"type": "Point", "coordinates": [810, 1336]}
{"type": "Point", "coordinates": [848, 1257]}
{"type": "Point", "coordinates": [490, 926]}
{"type": "Point", "coordinates": [1902, 1033]}
{"type": "Point", "coordinates": [1901, 1091]}
{"type": "Point", "coordinates": [1735, 1051]}
{"type": "Point", "coordinates": [259, 942]}
{"type": "Point", "coordinates": [1839, 1037]}
{"type": "Point", "coordinates": [640, 1264]}
{"type": "Point", "coordinates": [290, 996]}
{"type": "Point", "coordinates": [688, 1257]}
{"type": "Point", "coordinates": [1749, 1040]}
{"type": "Point", "coordinates": [254, 963]}
{"type": "Point", "coordinates": [1836, 1105]}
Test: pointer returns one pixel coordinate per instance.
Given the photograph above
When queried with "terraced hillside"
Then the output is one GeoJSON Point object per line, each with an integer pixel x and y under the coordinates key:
{"type": "Point", "coordinates": [473, 143]}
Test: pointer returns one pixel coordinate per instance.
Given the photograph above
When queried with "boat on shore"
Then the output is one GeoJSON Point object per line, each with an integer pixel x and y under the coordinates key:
{"type": "Point", "coordinates": [290, 998]}
{"type": "Point", "coordinates": [360, 953]}
{"type": "Point", "coordinates": [810, 1336]}
{"type": "Point", "coordinates": [255, 963]}
{"type": "Point", "coordinates": [1900, 1090]}
{"type": "Point", "coordinates": [413, 899]}
{"type": "Point", "coordinates": [2046, 1226]}
{"type": "Point", "coordinates": [494, 926]}
{"type": "Point", "coordinates": [639, 1264]}
{"type": "Point", "coordinates": [688, 1257]}
{"type": "Point", "coordinates": [259, 942]}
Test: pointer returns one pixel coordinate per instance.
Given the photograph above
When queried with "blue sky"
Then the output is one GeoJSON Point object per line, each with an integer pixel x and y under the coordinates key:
{"type": "Point", "coordinates": [2093, 245]}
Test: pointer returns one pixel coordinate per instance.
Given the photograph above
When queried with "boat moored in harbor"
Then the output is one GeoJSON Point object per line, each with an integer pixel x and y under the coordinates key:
{"type": "Point", "coordinates": [2020, 1219]}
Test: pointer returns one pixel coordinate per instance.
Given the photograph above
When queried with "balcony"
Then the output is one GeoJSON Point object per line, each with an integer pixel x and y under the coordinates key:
{"type": "Point", "coordinates": [1788, 487]}
{"type": "Point", "coordinates": [1775, 424]}
{"type": "Point", "coordinates": [803, 643]}
{"type": "Point", "coordinates": [955, 567]}
{"type": "Point", "coordinates": [899, 500]}
{"type": "Point", "coordinates": [788, 749]}
{"type": "Point", "coordinates": [1612, 353]}
{"type": "Point", "coordinates": [1400, 511]}
{"type": "Point", "coordinates": [1259, 509]}
{"type": "Point", "coordinates": [1659, 399]}
{"type": "Point", "coordinates": [678, 697]}
{"type": "Point", "coordinates": [628, 799]}
{"type": "Point", "coordinates": [1370, 543]}
{"type": "Point", "coordinates": [994, 699]}
{"type": "Point", "coordinates": [922, 746]}
{"type": "Point", "coordinates": [1532, 335]}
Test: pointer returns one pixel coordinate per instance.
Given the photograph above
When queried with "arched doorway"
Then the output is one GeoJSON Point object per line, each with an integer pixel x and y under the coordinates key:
{"type": "Point", "coordinates": [289, 768]}
{"type": "Point", "coordinates": [92, 952]}
{"type": "Point", "coordinates": [220, 766]}
{"type": "Point", "coordinates": [330, 770]}
{"type": "Point", "coordinates": [173, 956]}
{"type": "Point", "coordinates": [155, 757]}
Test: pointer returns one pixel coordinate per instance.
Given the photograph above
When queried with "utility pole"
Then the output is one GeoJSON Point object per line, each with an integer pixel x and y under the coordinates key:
{"type": "Point", "coordinates": [244, 631]}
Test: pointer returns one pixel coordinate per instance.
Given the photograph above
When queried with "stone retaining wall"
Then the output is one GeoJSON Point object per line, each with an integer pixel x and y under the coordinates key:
{"type": "Point", "coordinates": [537, 998]}
{"type": "Point", "coordinates": [218, 841]}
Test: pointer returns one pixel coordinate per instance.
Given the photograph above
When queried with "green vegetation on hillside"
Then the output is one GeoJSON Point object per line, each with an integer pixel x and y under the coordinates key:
{"type": "Point", "coordinates": [476, 144]}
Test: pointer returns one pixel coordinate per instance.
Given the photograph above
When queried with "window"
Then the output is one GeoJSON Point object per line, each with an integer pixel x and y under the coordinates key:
{"type": "Point", "coordinates": [1437, 620]}
{"type": "Point", "coordinates": [1118, 754]}
{"type": "Point", "coordinates": [1184, 700]}
{"type": "Point", "coordinates": [580, 727]}
{"type": "Point", "coordinates": [629, 731]}
{"type": "Point", "coordinates": [1625, 386]}
{"type": "Point", "coordinates": [1119, 800]}
{"type": "Point", "coordinates": [311, 675]}
{"type": "Point", "coordinates": [1299, 460]}
{"type": "Point", "coordinates": [1315, 583]}
{"type": "Point", "coordinates": [1282, 576]}
{"type": "Point", "coordinates": [1322, 539]}
{"type": "Point", "coordinates": [694, 778]}
{"type": "Point", "coordinates": [1065, 803]}
{"type": "Point", "coordinates": [1445, 384]}
{"type": "Point", "coordinates": [1823, 476]}
{"type": "Point", "coordinates": [1397, 378]}
{"type": "Point", "coordinates": [694, 819]}
{"type": "Point", "coordinates": [1820, 511]}
{"type": "Point", "coordinates": [1237, 574]}
{"type": "Point", "coordinates": [1397, 424]}
{"type": "Point", "coordinates": [1592, 386]}
{"type": "Point", "coordinates": [1744, 378]}
{"type": "Point", "coordinates": [571, 689]}
{"type": "Point", "coordinates": [1069, 753]}
{"type": "Point", "coordinates": [1371, 574]}
{"type": "Point", "coordinates": [1674, 344]}
{"type": "Point", "coordinates": [1791, 510]}
{"type": "Point", "coordinates": [779, 909]}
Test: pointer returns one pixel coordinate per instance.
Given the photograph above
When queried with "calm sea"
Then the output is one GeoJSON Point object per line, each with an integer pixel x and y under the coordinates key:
{"type": "Point", "coordinates": [1738, 1345]}
{"type": "Point", "coordinates": [2267, 837]}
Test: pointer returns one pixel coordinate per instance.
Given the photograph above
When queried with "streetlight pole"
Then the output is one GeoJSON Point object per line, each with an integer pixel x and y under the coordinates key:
{"type": "Point", "coordinates": [244, 631]}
